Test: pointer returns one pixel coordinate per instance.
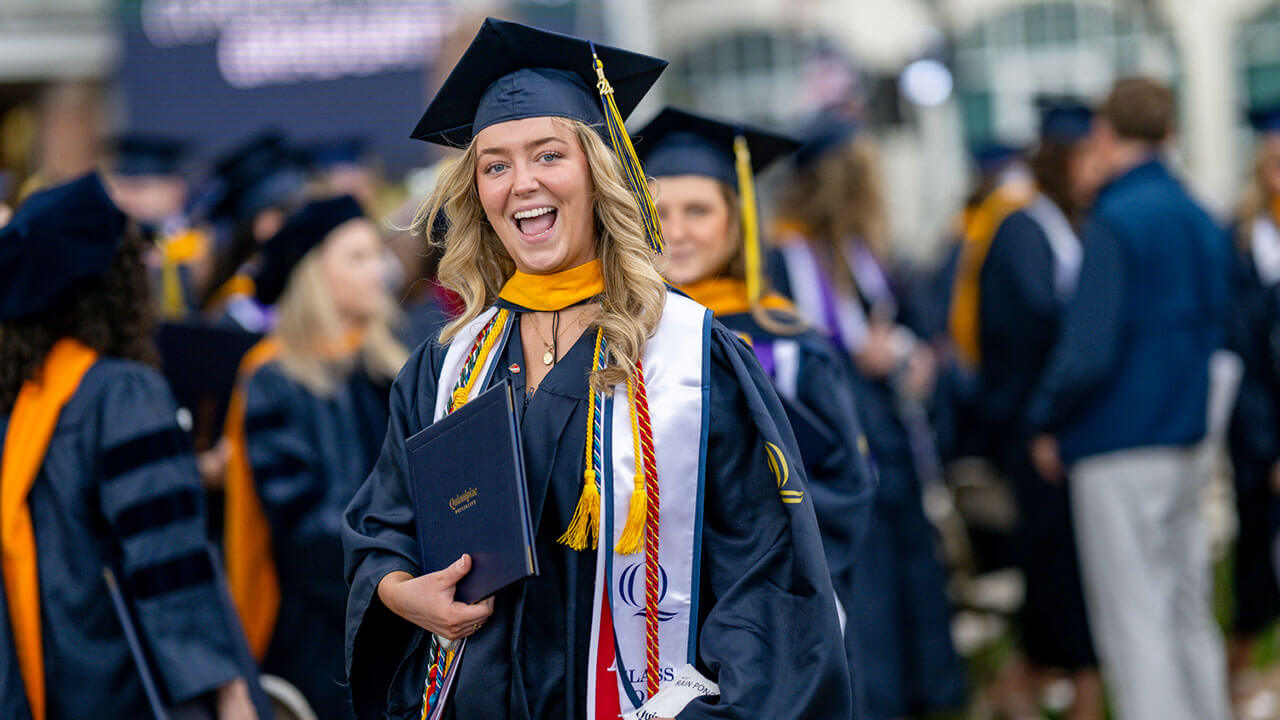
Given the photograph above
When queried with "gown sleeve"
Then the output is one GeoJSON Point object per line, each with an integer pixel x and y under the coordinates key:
{"type": "Point", "coordinates": [769, 632]}
{"type": "Point", "coordinates": [151, 499]}
{"type": "Point", "coordinates": [379, 538]}
{"type": "Point", "coordinates": [305, 533]}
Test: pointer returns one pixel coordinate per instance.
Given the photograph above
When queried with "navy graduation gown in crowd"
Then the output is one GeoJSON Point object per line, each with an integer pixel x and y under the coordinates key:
{"type": "Point", "coordinates": [842, 481]}
{"type": "Point", "coordinates": [309, 454]}
{"type": "Point", "coordinates": [1018, 315]}
{"type": "Point", "coordinates": [119, 485]}
{"type": "Point", "coordinates": [901, 614]}
{"type": "Point", "coordinates": [768, 628]}
{"type": "Point", "coordinates": [1254, 442]}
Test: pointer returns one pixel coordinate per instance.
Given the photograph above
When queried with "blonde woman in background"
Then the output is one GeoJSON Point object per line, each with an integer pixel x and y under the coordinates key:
{"type": "Point", "coordinates": [304, 427]}
{"type": "Point", "coordinates": [832, 246]}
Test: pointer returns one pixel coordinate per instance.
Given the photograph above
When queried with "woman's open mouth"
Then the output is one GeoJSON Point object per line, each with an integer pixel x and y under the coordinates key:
{"type": "Point", "coordinates": [535, 223]}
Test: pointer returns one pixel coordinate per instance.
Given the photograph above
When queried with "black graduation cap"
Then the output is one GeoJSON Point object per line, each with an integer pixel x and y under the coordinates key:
{"type": "Point", "coordinates": [330, 152]}
{"type": "Point", "coordinates": [55, 240]}
{"type": "Point", "coordinates": [1064, 119]}
{"type": "Point", "coordinates": [677, 142]}
{"type": "Point", "coordinates": [147, 154]}
{"type": "Point", "coordinates": [513, 71]}
{"type": "Point", "coordinates": [825, 131]}
{"type": "Point", "coordinates": [200, 362]}
{"type": "Point", "coordinates": [302, 232]}
{"type": "Point", "coordinates": [257, 174]}
{"type": "Point", "coordinates": [991, 155]}
{"type": "Point", "coordinates": [1266, 119]}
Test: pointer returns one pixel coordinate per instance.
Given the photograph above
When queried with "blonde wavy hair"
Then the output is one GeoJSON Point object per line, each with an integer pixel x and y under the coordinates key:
{"type": "Point", "coordinates": [839, 197]}
{"type": "Point", "coordinates": [314, 349]}
{"type": "Point", "coordinates": [475, 264]}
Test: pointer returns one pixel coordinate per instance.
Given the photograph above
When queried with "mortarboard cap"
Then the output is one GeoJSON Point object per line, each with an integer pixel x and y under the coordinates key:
{"type": "Point", "coordinates": [331, 152]}
{"type": "Point", "coordinates": [992, 155]}
{"type": "Point", "coordinates": [143, 154]}
{"type": "Point", "coordinates": [55, 240]}
{"type": "Point", "coordinates": [1064, 120]}
{"type": "Point", "coordinates": [260, 173]}
{"type": "Point", "coordinates": [825, 131]}
{"type": "Point", "coordinates": [512, 72]}
{"type": "Point", "coordinates": [677, 142]}
{"type": "Point", "coordinates": [1265, 119]}
{"type": "Point", "coordinates": [301, 233]}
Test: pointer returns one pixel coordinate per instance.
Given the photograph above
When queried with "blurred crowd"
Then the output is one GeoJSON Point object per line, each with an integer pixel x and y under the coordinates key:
{"type": "Point", "coordinates": [1052, 397]}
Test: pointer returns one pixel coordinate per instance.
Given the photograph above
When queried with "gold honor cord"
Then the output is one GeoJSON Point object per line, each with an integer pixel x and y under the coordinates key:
{"type": "Point", "coordinates": [626, 153]}
{"type": "Point", "coordinates": [750, 220]}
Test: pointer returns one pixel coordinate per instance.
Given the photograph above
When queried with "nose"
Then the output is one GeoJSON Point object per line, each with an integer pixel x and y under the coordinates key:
{"type": "Point", "coordinates": [524, 180]}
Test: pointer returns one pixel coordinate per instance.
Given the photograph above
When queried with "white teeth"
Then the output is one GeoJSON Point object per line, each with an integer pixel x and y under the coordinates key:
{"type": "Point", "coordinates": [526, 214]}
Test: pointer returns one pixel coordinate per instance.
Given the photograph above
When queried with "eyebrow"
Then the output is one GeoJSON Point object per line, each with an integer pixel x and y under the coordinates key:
{"type": "Point", "coordinates": [527, 146]}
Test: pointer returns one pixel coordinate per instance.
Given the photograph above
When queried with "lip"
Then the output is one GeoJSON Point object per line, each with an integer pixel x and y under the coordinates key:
{"type": "Point", "coordinates": [542, 236]}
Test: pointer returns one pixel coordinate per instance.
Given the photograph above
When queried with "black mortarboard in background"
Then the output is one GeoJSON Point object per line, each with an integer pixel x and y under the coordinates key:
{"type": "Point", "coordinates": [512, 72]}
{"type": "Point", "coordinates": [991, 155]}
{"type": "Point", "coordinates": [145, 154]}
{"type": "Point", "coordinates": [1064, 120]}
{"type": "Point", "coordinates": [302, 232]}
{"type": "Point", "coordinates": [677, 142]}
{"type": "Point", "coordinates": [1265, 119]}
{"type": "Point", "coordinates": [332, 152]}
{"type": "Point", "coordinates": [56, 239]}
{"type": "Point", "coordinates": [200, 362]}
{"type": "Point", "coordinates": [260, 173]}
{"type": "Point", "coordinates": [825, 131]}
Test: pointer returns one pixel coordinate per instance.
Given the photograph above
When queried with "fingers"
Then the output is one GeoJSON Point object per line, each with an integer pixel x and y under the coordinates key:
{"type": "Point", "coordinates": [465, 620]}
{"type": "Point", "coordinates": [450, 576]}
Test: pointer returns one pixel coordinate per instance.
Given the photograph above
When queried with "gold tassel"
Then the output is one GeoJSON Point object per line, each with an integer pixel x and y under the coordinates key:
{"type": "Point", "coordinates": [584, 528]}
{"type": "Point", "coordinates": [626, 153]}
{"type": "Point", "coordinates": [633, 531]}
{"type": "Point", "coordinates": [750, 220]}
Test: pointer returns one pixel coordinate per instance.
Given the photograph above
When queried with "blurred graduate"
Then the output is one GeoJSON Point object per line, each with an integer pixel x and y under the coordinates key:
{"type": "Point", "coordinates": [305, 427]}
{"type": "Point", "coordinates": [831, 237]}
{"type": "Point", "coordinates": [146, 181]}
{"type": "Point", "coordinates": [640, 417]}
{"type": "Point", "coordinates": [96, 472]}
{"type": "Point", "coordinates": [1027, 274]}
{"type": "Point", "coordinates": [705, 189]}
{"type": "Point", "coordinates": [1255, 426]}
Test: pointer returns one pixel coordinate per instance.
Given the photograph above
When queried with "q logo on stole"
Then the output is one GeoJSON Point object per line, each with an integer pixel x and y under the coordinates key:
{"type": "Point", "coordinates": [782, 473]}
{"type": "Point", "coordinates": [631, 589]}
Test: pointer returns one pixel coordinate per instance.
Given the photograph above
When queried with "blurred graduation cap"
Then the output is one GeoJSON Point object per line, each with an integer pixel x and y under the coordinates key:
{"type": "Point", "coordinates": [677, 142]}
{"type": "Point", "coordinates": [332, 152]}
{"type": "Point", "coordinates": [200, 363]}
{"type": "Point", "coordinates": [825, 131]}
{"type": "Point", "coordinates": [1265, 119]}
{"type": "Point", "coordinates": [260, 173]}
{"type": "Point", "coordinates": [513, 72]}
{"type": "Point", "coordinates": [302, 232]}
{"type": "Point", "coordinates": [1064, 119]}
{"type": "Point", "coordinates": [991, 155]}
{"type": "Point", "coordinates": [146, 154]}
{"type": "Point", "coordinates": [58, 238]}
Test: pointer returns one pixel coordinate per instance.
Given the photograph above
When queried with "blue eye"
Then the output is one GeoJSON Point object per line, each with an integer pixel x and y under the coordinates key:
{"type": "Point", "coordinates": [494, 167]}
{"type": "Point", "coordinates": [549, 156]}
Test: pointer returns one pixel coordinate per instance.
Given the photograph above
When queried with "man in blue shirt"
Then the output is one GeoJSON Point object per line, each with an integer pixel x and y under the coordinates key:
{"type": "Point", "coordinates": [1123, 404]}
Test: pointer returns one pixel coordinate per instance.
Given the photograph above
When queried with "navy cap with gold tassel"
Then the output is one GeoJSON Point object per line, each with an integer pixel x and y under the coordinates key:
{"type": "Point", "coordinates": [513, 72]}
{"type": "Point", "coordinates": [677, 142]}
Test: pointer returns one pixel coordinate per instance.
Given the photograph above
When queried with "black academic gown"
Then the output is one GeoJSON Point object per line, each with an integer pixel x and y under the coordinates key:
{"type": "Point", "coordinates": [842, 482]}
{"type": "Point", "coordinates": [1254, 442]}
{"type": "Point", "coordinates": [768, 625]}
{"type": "Point", "coordinates": [1018, 326]}
{"type": "Point", "coordinates": [309, 454]}
{"type": "Point", "coordinates": [119, 486]}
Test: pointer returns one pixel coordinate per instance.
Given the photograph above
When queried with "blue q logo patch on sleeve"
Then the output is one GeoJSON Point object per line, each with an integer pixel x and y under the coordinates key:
{"type": "Point", "coordinates": [782, 473]}
{"type": "Point", "coordinates": [631, 589]}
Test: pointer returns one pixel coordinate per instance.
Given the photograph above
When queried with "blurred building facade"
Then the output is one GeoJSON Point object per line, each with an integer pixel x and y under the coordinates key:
{"type": "Point", "coordinates": [931, 77]}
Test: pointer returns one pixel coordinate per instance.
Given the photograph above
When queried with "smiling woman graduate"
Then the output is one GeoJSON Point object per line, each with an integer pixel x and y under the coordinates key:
{"type": "Point", "coordinates": [705, 184]}
{"type": "Point", "coordinates": [672, 523]}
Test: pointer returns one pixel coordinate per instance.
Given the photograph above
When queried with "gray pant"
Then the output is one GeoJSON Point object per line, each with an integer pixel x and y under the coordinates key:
{"type": "Point", "coordinates": [1144, 560]}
